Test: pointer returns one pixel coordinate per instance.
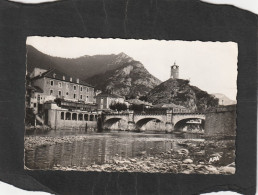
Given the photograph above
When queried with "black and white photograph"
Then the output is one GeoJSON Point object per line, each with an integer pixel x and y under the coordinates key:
{"type": "Point", "coordinates": [129, 105]}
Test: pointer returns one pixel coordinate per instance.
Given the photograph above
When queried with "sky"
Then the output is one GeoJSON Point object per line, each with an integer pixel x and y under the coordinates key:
{"type": "Point", "coordinates": [211, 66]}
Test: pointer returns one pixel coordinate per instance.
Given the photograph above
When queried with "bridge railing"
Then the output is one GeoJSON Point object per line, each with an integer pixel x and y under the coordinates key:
{"type": "Point", "coordinates": [158, 112]}
{"type": "Point", "coordinates": [148, 112]}
{"type": "Point", "coordinates": [114, 114]}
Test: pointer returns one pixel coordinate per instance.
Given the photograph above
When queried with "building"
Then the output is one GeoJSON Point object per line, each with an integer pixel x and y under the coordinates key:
{"type": "Point", "coordinates": [174, 71]}
{"type": "Point", "coordinates": [52, 84]}
{"type": "Point", "coordinates": [104, 100]}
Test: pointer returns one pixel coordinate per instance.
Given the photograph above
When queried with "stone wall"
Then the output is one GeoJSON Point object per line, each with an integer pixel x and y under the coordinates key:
{"type": "Point", "coordinates": [223, 123]}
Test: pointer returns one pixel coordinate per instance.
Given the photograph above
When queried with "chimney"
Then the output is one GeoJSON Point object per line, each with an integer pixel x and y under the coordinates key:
{"type": "Point", "coordinates": [54, 75]}
{"type": "Point", "coordinates": [77, 80]}
{"type": "Point", "coordinates": [63, 77]}
{"type": "Point", "coordinates": [71, 79]}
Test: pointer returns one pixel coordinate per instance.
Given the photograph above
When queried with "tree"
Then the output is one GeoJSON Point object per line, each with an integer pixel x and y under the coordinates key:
{"type": "Point", "coordinates": [118, 106]}
{"type": "Point", "coordinates": [137, 107]}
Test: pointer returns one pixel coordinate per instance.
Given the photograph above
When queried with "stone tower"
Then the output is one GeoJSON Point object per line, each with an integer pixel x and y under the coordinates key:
{"type": "Point", "coordinates": [174, 71]}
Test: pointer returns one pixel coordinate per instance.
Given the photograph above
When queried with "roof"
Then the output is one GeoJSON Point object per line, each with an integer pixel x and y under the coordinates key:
{"type": "Point", "coordinates": [34, 88]}
{"type": "Point", "coordinates": [109, 95]}
{"type": "Point", "coordinates": [58, 75]}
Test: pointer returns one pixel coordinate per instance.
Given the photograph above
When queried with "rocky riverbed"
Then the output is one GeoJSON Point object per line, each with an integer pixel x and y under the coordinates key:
{"type": "Point", "coordinates": [190, 157]}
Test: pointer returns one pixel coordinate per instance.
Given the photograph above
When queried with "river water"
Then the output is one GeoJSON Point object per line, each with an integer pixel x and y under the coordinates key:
{"type": "Point", "coordinates": [100, 148]}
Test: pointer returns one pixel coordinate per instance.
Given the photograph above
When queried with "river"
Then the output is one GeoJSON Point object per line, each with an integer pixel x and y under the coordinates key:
{"type": "Point", "coordinates": [75, 148]}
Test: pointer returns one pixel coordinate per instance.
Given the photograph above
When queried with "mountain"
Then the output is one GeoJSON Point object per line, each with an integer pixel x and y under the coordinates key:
{"type": "Point", "coordinates": [224, 100]}
{"type": "Point", "coordinates": [130, 79]}
{"type": "Point", "coordinates": [81, 67]}
{"type": "Point", "coordinates": [180, 92]}
{"type": "Point", "coordinates": [119, 73]}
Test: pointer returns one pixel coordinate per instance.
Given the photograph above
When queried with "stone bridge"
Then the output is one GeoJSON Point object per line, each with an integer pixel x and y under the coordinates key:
{"type": "Point", "coordinates": [167, 121]}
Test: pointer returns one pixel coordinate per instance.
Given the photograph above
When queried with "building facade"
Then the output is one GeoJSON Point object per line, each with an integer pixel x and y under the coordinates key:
{"type": "Point", "coordinates": [104, 100]}
{"type": "Point", "coordinates": [54, 84]}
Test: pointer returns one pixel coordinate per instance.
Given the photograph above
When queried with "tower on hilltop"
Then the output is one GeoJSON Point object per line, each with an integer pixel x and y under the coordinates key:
{"type": "Point", "coordinates": [174, 71]}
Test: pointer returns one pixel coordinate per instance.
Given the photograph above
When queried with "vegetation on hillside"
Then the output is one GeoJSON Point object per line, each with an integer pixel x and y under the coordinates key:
{"type": "Point", "coordinates": [180, 92]}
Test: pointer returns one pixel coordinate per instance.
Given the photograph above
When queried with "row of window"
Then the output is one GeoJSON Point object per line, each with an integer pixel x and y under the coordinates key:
{"type": "Point", "coordinates": [67, 94]}
{"type": "Point", "coordinates": [79, 117]}
{"type": "Point", "coordinates": [67, 86]}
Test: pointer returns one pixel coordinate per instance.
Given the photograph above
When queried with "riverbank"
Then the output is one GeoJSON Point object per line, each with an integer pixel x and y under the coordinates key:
{"type": "Point", "coordinates": [191, 156]}
{"type": "Point", "coordinates": [157, 164]}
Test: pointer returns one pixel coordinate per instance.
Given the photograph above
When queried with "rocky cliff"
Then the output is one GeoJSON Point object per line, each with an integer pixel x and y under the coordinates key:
{"type": "Point", "coordinates": [180, 92]}
{"type": "Point", "coordinates": [130, 79]}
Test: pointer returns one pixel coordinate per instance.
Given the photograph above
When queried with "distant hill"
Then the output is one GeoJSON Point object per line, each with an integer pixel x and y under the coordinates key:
{"type": "Point", "coordinates": [223, 99]}
{"type": "Point", "coordinates": [130, 79]}
{"type": "Point", "coordinates": [82, 67]}
{"type": "Point", "coordinates": [180, 92]}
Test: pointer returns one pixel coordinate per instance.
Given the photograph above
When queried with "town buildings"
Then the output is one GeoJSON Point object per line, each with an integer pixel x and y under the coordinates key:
{"type": "Point", "coordinates": [51, 84]}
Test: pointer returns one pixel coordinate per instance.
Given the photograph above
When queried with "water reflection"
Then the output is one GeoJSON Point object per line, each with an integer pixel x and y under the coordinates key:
{"type": "Point", "coordinates": [97, 148]}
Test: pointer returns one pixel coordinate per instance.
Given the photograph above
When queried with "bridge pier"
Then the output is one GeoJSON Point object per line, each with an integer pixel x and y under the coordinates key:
{"type": "Point", "coordinates": [169, 124]}
{"type": "Point", "coordinates": [169, 127]}
{"type": "Point", "coordinates": [131, 124]}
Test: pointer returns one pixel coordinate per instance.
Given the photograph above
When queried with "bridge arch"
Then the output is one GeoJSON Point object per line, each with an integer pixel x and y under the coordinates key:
{"type": "Point", "coordinates": [142, 122]}
{"type": "Point", "coordinates": [115, 123]}
{"type": "Point", "coordinates": [189, 124]}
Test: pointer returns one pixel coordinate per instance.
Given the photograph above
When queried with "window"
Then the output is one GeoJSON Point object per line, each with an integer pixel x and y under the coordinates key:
{"type": "Point", "coordinates": [74, 96]}
{"type": "Point", "coordinates": [87, 89]}
{"type": "Point", "coordinates": [74, 116]}
{"type": "Point", "coordinates": [81, 97]}
{"type": "Point", "coordinates": [67, 93]}
{"type": "Point", "coordinates": [59, 84]}
{"type": "Point", "coordinates": [81, 88]}
{"type": "Point", "coordinates": [86, 117]}
{"type": "Point", "coordinates": [74, 87]}
{"type": "Point", "coordinates": [62, 115]}
{"type": "Point", "coordinates": [52, 83]}
{"type": "Point", "coordinates": [80, 117]}
{"type": "Point", "coordinates": [35, 105]}
{"type": "Point", "coordinates": [91, 117]}
{"type": "Point", "coordinates": [51, 91]}
{"type": "Point", "coordinates": [59, 93]}
{"type": "Point", "coordinates": [68, 116]}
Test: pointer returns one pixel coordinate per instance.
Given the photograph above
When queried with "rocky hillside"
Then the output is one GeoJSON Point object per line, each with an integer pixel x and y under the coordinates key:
{"type": "Point", "coordinates": [130, 79]}
{"type": "Point", "coordinates": [224, 100]}
{"type": "Point", "coordinates": [180, 92]}
{"type": "Point", "coordinates": [81, 67]}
